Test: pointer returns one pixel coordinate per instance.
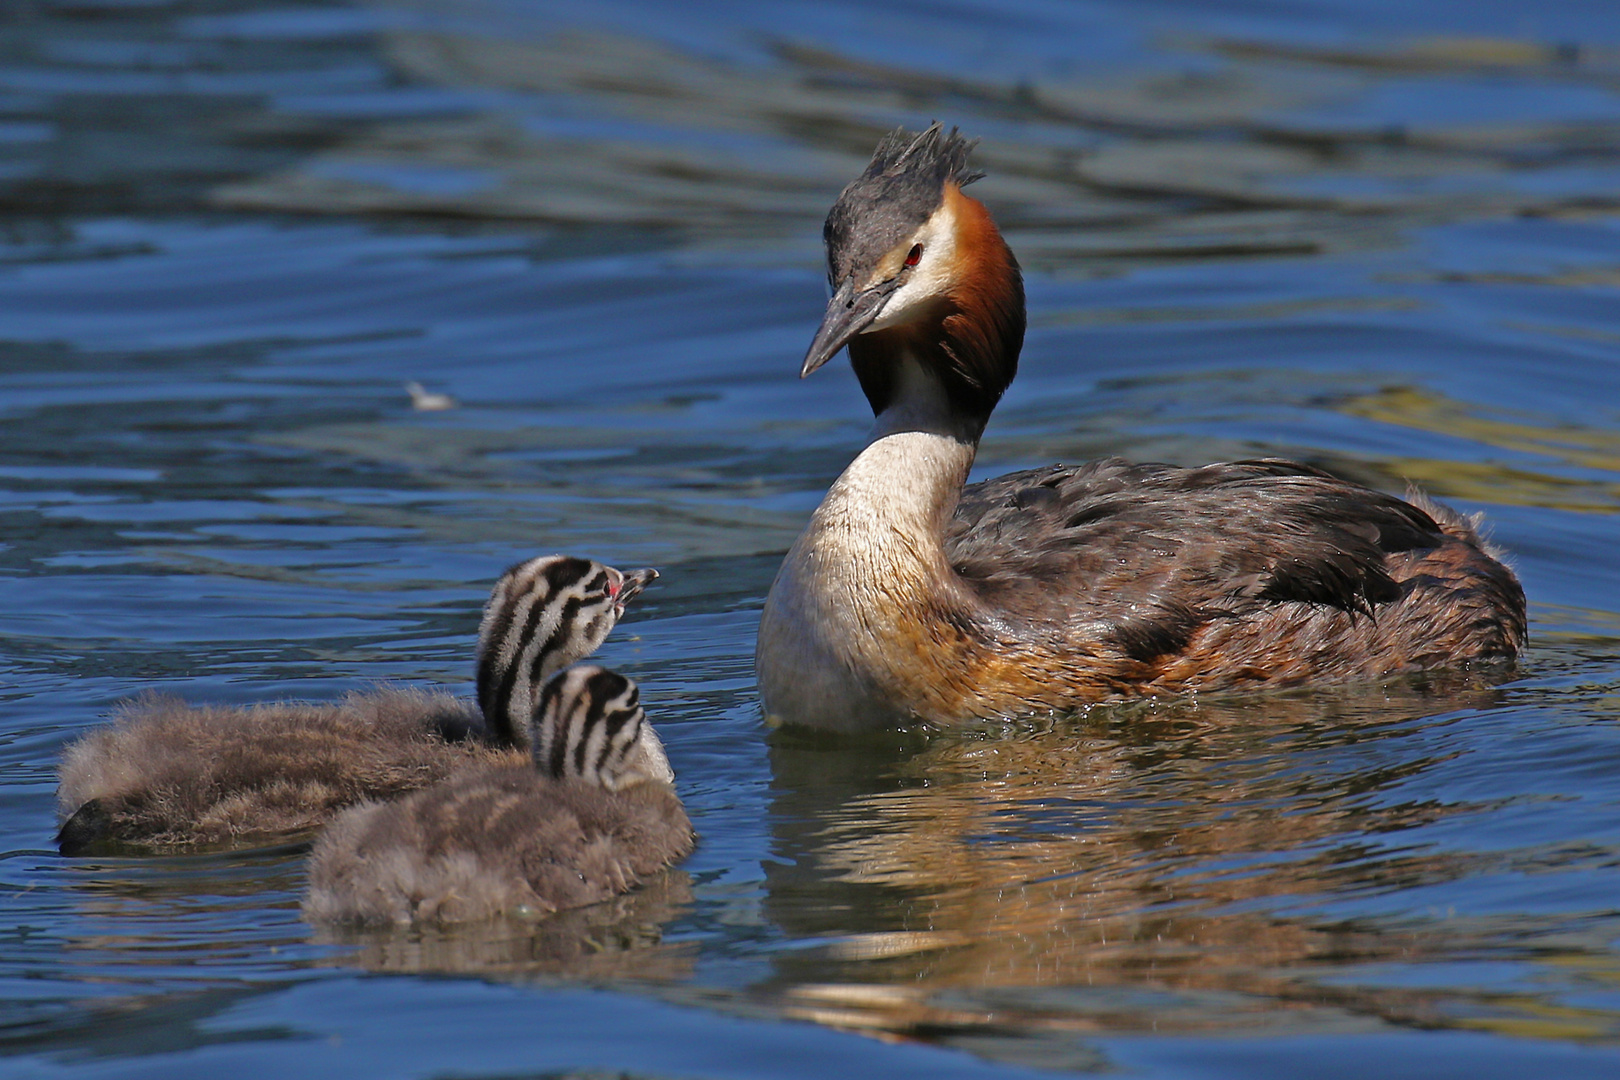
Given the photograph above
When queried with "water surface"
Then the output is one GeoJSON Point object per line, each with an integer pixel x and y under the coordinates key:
{"type": "Point", "coordinates": [1380, 237]}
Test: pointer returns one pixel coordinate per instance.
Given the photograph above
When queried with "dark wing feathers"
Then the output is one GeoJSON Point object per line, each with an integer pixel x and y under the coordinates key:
{"type": "Point", "coordinates": [1152, 551]}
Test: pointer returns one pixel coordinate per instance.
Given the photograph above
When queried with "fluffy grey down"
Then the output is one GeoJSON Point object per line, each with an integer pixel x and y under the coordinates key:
{"type": "Point", "coordinates": [492, 840]}
{"type": "Point", "coordinates": [165, 775]}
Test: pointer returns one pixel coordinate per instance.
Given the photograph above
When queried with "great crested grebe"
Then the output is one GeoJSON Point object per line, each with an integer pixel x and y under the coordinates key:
{"type": "Point", "coordinates": [909, 599]}
{"type": "Point", "coordinates": [165, 775]}
{"type": "Point", "coordinates": [594, 814]}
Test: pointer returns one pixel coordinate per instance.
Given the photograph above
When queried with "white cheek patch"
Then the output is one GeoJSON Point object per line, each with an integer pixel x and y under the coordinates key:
{"type": "Point", "coordinates": [930, 278]}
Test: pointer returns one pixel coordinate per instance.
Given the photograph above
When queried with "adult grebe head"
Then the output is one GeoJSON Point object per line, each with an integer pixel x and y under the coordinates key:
{"type": "Point", "coordinates": [926, 293]}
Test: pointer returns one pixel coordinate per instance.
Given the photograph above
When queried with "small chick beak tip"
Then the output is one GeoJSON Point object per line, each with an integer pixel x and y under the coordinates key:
{"type": "Point", "coordinates": [634, 582]}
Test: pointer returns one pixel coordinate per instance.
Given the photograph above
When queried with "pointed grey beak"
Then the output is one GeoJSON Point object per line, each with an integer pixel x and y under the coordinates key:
{"type": "Point", "coordinates": [848, 313]}
{"type": "Point", "coordinates": [634, 582]}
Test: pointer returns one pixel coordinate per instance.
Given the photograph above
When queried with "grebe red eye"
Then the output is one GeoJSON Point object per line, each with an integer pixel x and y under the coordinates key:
{"type": "Point", "coordinates": [914, 256]}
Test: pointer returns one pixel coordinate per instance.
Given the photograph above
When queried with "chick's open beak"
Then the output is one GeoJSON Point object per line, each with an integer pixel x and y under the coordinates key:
{"type": "Point", "coordinates": [634, 582]}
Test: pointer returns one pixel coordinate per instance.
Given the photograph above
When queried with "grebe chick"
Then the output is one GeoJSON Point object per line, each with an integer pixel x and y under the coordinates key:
{"type": "Point", "coordinates": [165, 775]}
{"type": "Point", "coordinates": [910, 599]}
{"type": "Point", "coordinates": [594, 814]}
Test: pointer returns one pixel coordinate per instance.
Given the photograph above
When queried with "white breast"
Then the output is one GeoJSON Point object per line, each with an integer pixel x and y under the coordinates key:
{"type": "Point", "coordinates": [831, 633]}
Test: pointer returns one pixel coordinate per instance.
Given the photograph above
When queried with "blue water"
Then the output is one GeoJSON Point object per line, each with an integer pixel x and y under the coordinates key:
{"type": "Point", "coordinates": [1378, 236]}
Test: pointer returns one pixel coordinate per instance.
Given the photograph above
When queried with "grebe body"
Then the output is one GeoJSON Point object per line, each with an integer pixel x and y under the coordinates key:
{"type": "Point", "coordinates": [170, 776]}
{"type": "Point", "coordinates": [911, 599]}
{"type": "Point", "coordinates": [593, 814]}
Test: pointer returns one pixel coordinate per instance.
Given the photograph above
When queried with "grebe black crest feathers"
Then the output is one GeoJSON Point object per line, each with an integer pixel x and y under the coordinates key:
{"type": "Point", "coordinates": [909, 598]}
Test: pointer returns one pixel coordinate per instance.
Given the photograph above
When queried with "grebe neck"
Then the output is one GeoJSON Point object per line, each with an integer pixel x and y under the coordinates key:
{"type": "Point", "coordinates": [903, 487]}
{"type": "Point", "coordinates": [869, 572]}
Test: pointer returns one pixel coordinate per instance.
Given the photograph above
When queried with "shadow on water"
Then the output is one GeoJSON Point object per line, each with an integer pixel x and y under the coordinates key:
{"type": "Point", "coordinates": [621, 940]}
{"type": "Point", "coordinates": [139, 1026]}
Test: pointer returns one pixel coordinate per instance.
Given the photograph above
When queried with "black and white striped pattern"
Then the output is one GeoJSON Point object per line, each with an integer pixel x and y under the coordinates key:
{"type": "Point", "coordinates": [591, 728]}
{"type": "Point", "coordinates": [543, 615]}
